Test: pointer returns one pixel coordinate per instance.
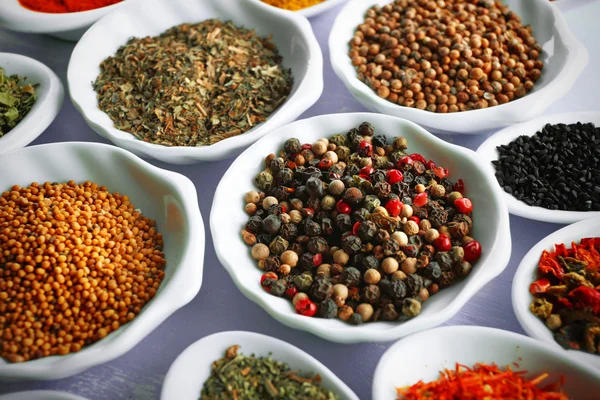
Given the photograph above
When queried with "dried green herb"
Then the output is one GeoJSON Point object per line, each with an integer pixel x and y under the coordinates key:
{"type": "Point", "coordinates": [240, 377]}
{"type": "Point", "coordinates": [194, 85]}
{"type": "Point", "coordinates": [16, 100]}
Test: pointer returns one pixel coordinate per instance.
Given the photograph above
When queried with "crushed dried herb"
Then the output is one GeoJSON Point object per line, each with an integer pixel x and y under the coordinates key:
{"type": "Point", "coordinates": [241, 377]}
{"type": "Point", "coordinates": [483, 382]}
{"type": "Point", "coordinates": [567, 294]}
{"type": "Point", "coordinates": [16, 100]}
{"type": "Point", "coordinates": [193, 85]}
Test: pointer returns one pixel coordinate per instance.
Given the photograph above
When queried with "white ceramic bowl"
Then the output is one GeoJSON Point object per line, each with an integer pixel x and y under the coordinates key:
{"type": "Point", "coordinates": [291, 33]}
{"type": "Point", "coordinates": [488, 151]}
{"type": "Point", "coordinates": [422, 356]}
{"type": "Point", "coordinates": [490, 215]}
{"type": "Point", "coordinates": [50, 96]}
{"type": "Point", "coordinates": [67, 26]}
{"type": "Point", "coordinates": [317, 9]}
{"type": "Point", "coordinates": [165, 196]}
{"type": "Point", "coordinates": [187, 374]}
{"type": "Point", "coordinates": [527, 273]}
{"type": "Point", "coordinates": [564, 57]}
{"type": "Point", "coordinates": [41, 395]}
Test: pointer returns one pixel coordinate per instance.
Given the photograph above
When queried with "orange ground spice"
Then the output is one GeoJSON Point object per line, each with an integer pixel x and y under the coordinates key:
{"type": "Point", "coordinates": [65, 6]}
{"type": "Point", "coordinates": [293, 5]}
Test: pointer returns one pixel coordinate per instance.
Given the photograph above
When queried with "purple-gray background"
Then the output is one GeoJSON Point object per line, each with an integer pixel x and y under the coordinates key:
{"type": "Point", "coordinates": [220, 306]}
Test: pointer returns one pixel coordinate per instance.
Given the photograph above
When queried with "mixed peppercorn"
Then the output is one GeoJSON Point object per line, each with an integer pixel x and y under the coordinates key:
{"type": "Point", "coordinates": [567, 295]}
{"type": "Point", "coordinates": [357, 228]}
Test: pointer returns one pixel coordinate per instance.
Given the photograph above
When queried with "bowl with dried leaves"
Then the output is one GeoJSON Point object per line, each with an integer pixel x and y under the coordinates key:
{"type": "Point", "coordinates": [184, 82]}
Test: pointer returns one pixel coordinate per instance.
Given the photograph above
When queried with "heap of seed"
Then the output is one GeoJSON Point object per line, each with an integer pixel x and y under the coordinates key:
{"type": "Point", "coordinates": [76, 263]}
{"type": "Point", "coordinates": [446, 56]}
{"type": "Point", "coordinates": [558, 168]}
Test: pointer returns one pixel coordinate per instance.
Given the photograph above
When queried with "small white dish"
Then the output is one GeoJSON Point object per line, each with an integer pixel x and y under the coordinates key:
{"type": "Point", "coordinates": [187, 374]}
{"type": "Point", "coordinates": [291, 32]}
{"type": "Point", "coordinates": [527, 273]}
{"type": "Point", "coordinates": [67, 26]}
{"type": "Point", "coordinates": [50, 96]}
{"type": "Point", "coordinates": [564, 56]}
{"type": "Point", "coordinates": [317, 9]}
{"type": "Point", "coordinates": [490, 215]}
{"type": "Point", "coordinates": [167, 197]}
{"type": "Point", "coordinates": [41, 395]}
{"type": "Point", "coordinates": [488, 151]}
{"type": "Point", "coordinates": [423, 356]}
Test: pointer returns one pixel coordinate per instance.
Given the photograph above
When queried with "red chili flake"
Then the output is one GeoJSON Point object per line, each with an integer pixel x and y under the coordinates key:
{"type": "Point", "coordinates": [355, 228]}
{"type": "Point", "coordinates": [587, 297]}
{"type": "Point", "coordinates": [306, 146]}
{"type": "Point", "coordinates": [539, 286]}
{"type": "Point", "coordinates": [440, 172]}
{"type": "Point", "coordinates": [459, 186]}
{"type": "Point", "coordinates": [430, 165]}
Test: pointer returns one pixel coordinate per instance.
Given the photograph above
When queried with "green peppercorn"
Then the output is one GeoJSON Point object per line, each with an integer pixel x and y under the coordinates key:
{"type": "Point", "coordinates": [355, 319]}
{"type": "Point", "coordinates": [278, 245]}
{"type": "Point", "coordinates": [264, 180]}
{"type": "Point", "coordinates": [411, 307]}
{"type": "Point", "coordinates": [371, 201]}
{"type": "Point", "coordinates": [339, 140]}
{"type": "Point", "coordinates": [328, 203]}
{"type": "Point", "coordinates": [303, 281]}
{"type": "Point", "coordinates": [343, 152]}
{"type": "Point", "coordinates": [292, 146]}
{"type": "Point", "coordinates": [278, 288]}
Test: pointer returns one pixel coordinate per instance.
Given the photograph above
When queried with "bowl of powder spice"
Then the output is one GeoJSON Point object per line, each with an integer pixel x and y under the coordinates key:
{"type": "Point", "coordinates": [64, 19]}
{"type": "Point", "coordinates": [93, 258]}
{"type": "Point", "coordinates": [307, 8]}
{"type": "Point", "coordinates": [183, 81]}
{"type": "Point", "coordinates": [456, 66]}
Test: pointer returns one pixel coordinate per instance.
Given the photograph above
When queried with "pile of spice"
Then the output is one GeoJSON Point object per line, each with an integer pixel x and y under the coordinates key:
{"type": "Point", "coordinates": [483, 382]}
{"type": "Point", "coordinates": [241, 377]}
{"type": "Point", "coordinates": [558, 168]}
{"type": "Point", "coordinates": [194, 85]}
{"type": "Point", "coordinates": [446, 56]}
{"type": "Point", "coordinates": [293, 5]}
{"type": "Point", "coordinates": [357, 228]}
{"type": "Point", "coordinates": [567, 294]}
{"type": "Point", "coordinates": [16, 100]}
{"type": "Point", "coordinates": [65, 6]}
{"type": "Point", "coordinates": [77, 262]}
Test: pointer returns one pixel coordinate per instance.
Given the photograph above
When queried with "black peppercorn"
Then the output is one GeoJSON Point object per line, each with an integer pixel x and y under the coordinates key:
{"type": "Point", "coordinates": [320, 289]}
{"type": "Point", "coordinates": [317, 245]}
{"type": "Point", "coordinates": [368, 262]}
{"type": "Point", "coordinates": [433, 271]}
{"type": "Point", "coordinates": [314, 187]}
{"type": "Point", "coordinates": [292, 146]}
{"type": "Point", "coordinates": [351, 244]}
{"type": "Point", "coordinates": [367, 231]}
{"type": "Point", "coordinates": [371, 294]}
{"type": "Point", "coordinates": [271, 224]}
{"type": "Point", "coordinates": [289, 231]}
{"type": "Point", "coordinates": [395, 290]}
{"type": "Point", "coordinates": [414, 283]}
{"type": "Point", "coordinates": [306, 261]}
{"type": "Point", "coordinates": [264, 238]}
{"type": "Point", "coordinates": [389, 313]}
{"type": "Point", "coordinates": [379, 140]}
{"type": "Point", "coordinates": [272, 263]}
{"type": "Point", "coordinates": [327, 309]}
{"type": "Point", "coordinates": [390, 247]}
{"type": "Point", "coordinates": [366, 129]}
{"type": "Point", "coordinates": [353, 196]}
{"type": "Point", "coordinates": [327, 227]}
{"type": "Point", "coordinates": [350, 277]}
{"type": "Point", "coordinates": [310, 227]}
{"type": "Point", "coordinates": [254, 224]}
{"type": "Point", "coordinates": [360, 215]}
{"type": "Point", "coordinates": [355, 319]}
{"type": "Point", "coordinates": [410, 251]}
{"type": "Point", "coordinates": [343, 222]}
{"type": "Point", "coordinates": [445, 260]}
{"type": "Point", "coordinates": [382, 189]}
{"type": "Point", "coordinates": [277, 164]}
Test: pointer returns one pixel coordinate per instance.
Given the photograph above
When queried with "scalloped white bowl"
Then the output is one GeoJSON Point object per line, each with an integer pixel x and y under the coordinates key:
{"type": "Point", "coordinates": [192, 367]}
{"type": "Point", "coordinates": [292, 34]}
{"type": "Point", "coordinates": [41, 395]}
{"type": "Point", "coordinates": [67, 26]}
{"type": "Point", "coordinates": [527, 273]}
{"type": "Point", "coordinates": [489, 152]}
{"type": "Point", "coordinates": [490, 215]}
{"type": "Point", "coordinates": [165, 196]}
{"type": "Point", "coordinates": [50, 96]}
{"type": "Point", "coordinates": [422, 356]}
{"type": "Point", "coordinates": [317, 9]}
{"type": "Point", "coordinates": [564, 56]}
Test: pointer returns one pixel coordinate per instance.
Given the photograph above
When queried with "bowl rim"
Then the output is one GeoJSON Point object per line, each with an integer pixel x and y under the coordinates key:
{"type": "Point", "coordinates": [512, 112]}
{"type": "Point", "coordinates": [45, 109]}
{"type": "Point", "coordinates": [516, 207]}
{"type": "Point", "coordinates": [521, 297]}
{"type": "Point", "coordinates": [307, 92]}
{"type": "Point", "coordinates": [313, 11]}
{"type": "Point", "coordinates": [499, 252]}
{"type": "Point", "coordinates": [177, 292]}
{"type": "Point", "coordinates": [454, 330]}
{"type": "Point", "coordinates": [255, 337]}
{"type": "Point", "coordinates": [41, 395]}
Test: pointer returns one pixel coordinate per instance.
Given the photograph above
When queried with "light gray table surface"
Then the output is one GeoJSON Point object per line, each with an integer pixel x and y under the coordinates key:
{"type": "Point", "coordinates": [220, 306]}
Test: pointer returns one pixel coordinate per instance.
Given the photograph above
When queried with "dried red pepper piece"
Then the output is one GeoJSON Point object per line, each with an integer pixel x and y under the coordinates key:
{"type": "Point", "coordinates": [587, 297]}
{"type": "Point", "coordinates": [539, 286]}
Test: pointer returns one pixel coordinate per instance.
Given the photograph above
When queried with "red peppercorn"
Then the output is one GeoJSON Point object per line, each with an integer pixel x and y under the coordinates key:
{"type": "Point", "coordinates": [416, 219]}
{"type": "Point", "coordinates": [394, 176]}
{"type": "Point", "coordinates": [459, 186]}
{"type": "Point", "coordinates": [283, 209]}
{"type": "Point", "coordinates": [420, 200]}
{"type": "Point", "coordinates": [366, 177]}
{"type": "Point", "coordinates": [365, 148]}
{"type": "Point", "coordinates": [317, 260]}
{"type": "Point", "coordinates": [306, 308]}
{"type": "Point", "coordinates": [343, 207]}
{"type": "Point", "coordinates": [306, 146]}
{"type": "Point", "coordinates": [430, 165]}
{"type": "Point", "coordinates": [417, 157]}
{"type": "Point", "coordinates": [463, 205]}
{"type": "Point", "coordinates": [268, 275]}
{"type": "Point", "coordinates": [405, 160]}
{"type": "Point", "coordinates": [394, 207]}
{"type": "Point", "coordinates": [440, 172]}
{"type": "Point", "coordinates": [325, 163]}
{"type": "Point", "coordinates": [368, 170]}
{"type": "Point", "coordinates": [443, 243]}
{"type": "Point", "coordinates": [291, 292]}
{"type": "Point", "coordinates": [472, 251]}
{"type": "Point", "coordinates": [355, 228]}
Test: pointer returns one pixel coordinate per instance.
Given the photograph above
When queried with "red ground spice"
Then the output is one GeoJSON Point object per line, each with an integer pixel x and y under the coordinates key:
{"type": "Point", "coordinates": [65, 6]}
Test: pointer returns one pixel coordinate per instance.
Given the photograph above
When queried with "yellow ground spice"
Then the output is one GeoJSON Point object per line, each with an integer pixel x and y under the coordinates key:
{"type": "Point", "coordinates": [293, 5]}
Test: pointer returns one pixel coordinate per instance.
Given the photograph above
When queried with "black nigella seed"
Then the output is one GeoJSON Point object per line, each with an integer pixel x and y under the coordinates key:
{"type": "Point", "coordinates": [557, 168]}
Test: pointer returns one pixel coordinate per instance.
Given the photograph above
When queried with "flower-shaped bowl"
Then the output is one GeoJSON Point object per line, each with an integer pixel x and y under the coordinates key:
{"type": "Point", "coordinates": [67, 26]}
{"type": "Point", "coordinates": [563, 55]}
{"type": "Point", "coordinates": [517, 207]}
{"type": "Point", "coordinates": [41, 395]}
{"type": "Point", "coordinates": [192, 368]}
{"type": "Point", "coordinates": [164, 196]}
{"type": "Point", "coordinates": [527, 273]}
{"type": "Point", "coordinates": [291, 33]}
{"type": "Point", "coordinates": [317, 9]}
{"type": "Point", "coordinates": [50, 96]}
{"type": "Point", "coordinates": [423, 356]}
{"type": "Point", "coordinates": [490, 219]}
